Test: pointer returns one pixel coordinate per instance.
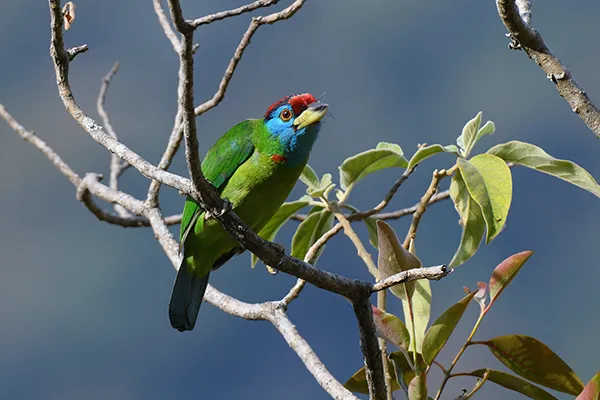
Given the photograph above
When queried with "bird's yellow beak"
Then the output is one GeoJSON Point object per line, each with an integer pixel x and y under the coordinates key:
{"type": "Point", "coordinates": [312, 115]}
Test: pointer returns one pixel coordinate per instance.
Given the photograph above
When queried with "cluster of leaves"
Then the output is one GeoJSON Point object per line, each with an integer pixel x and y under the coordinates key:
{"type": "Point", "coordinates": [481, 190]}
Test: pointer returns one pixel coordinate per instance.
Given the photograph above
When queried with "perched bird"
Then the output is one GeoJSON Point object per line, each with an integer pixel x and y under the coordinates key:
{"type": "Point", "coordinates": [254, 165]}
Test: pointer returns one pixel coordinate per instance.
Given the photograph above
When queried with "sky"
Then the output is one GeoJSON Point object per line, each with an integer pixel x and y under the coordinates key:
{"type": "Point", "coordinates": [84, 303]}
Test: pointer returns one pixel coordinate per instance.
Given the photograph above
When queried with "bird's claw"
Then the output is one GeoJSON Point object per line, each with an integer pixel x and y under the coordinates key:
{"type": "Point", "coordinates": [514, 42]}
{"type": "Point", "coordinates": [227, 206]}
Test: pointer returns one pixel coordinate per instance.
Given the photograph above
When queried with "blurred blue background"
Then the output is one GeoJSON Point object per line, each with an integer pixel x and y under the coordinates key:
{"type": "Point", "coordinates": [84, 304]}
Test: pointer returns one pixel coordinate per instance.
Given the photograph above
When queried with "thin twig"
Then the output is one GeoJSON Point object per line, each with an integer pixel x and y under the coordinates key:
{"type": "Point", "coordinates": [286, 13]}
{"type": "Point", "coordinates": [516, 16]}
{"type": "Point", "coordinates": [232, 13]}
{"type": "Point", "coordinates": [422, 207]}
{"type": "Point", "coordinates": [166, 25]}
{"type": "Point", "coordinates": [360, 248]}
{"type": "Point", "coordinates": [431, 273]}
{"type": "Point", "coordinates": [115, 162]}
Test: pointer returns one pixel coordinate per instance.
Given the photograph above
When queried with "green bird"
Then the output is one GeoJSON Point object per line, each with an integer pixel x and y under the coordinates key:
{"type": "Point", "coordinates": [254, 166]}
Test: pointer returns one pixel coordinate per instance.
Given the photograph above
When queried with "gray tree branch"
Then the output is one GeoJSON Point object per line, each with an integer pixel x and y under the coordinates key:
{"type": "Point", "coordinates": [516, 16]}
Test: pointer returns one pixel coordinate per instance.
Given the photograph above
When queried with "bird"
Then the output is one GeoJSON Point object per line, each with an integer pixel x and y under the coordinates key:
{"type": "Point", "coordinates": [254, 166]}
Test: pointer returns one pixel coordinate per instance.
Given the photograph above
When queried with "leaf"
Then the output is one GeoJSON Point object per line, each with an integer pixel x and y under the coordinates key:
{"type": "Point", "coordinates": [486, 129]}
{"type": "Point", "coordinates": [428, 151]}
{"type": "Point", "coordinates": [285, 212]}
{"type": "Point", "coordinates": [534, 157]}
{"type": "Point", "coordinates": [505, 272]}
{"type": "Point", "coordinates": [533, 360]}
{"type": "Point", "coordinates": [417, 389]}
{"type": "Point", "coordinates": [421, 304]}
{"type": "Point", "coordinates": [438, 334]}
{"type": "Point", "coordinates": [471, 219]}
{"type": "Point", "coordinates": [324, 187]}
{"type": "Point", "coordinates": [393, 258]}
{"type": "Point", "coordinates": [591, 391]}
{"type": "Point", "coordinates": [391, 328]}
{"type": "Point", "coordinates": [309, 231]}
{"type": "Point", "coordinates": [514, 383]}
{"type": "Point", "coordinates": [489, 182]}
{"type": "Point", "coordinates": [358, 382]}
{"type": "Point", "coordinates": [402, 367]}
{"type": "Point", "coordinates": [309, 177]}
{"type": "Point", "coordinates": [385, 155]}
{"type": "Point", "coordinates": [466, 140]}
{"type": "Point", "coordinates": [372, 229]}
{"type": "Point", "coordinates": [68, 12]}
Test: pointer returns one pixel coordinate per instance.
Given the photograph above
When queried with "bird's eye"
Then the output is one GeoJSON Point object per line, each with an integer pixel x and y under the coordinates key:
{"type": "Point", "coordinates": [285, 115]}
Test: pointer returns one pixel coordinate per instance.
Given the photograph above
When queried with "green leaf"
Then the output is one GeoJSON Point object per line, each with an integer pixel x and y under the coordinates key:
{"type": "Point", "coordinates": [505, 272]}
{"type": "Point", "coordinates": [417, 388]}
{"type": "Point", "coordinates": [324, 186]}
{"type": "Point", "coordinates": [269, 231]}
{"type": "Point", "coordinates": [402, 367]}
{"type": "Point", "coordinates": [486, 129]}
{"type": "Point", "coordinates": [489, 182]}
{"type": "Point", "coordinates": [358, 382]}
{"type": "Point", "coordinates": [466, 140]}
{"type": "Point", "coordinates": [533, 360]}
{"type": "Point", "coordinates": [591, 391]}
{"type": "Point", "coordinates": [438, 334]}
{"type": "Point", "coordinates": [471, 219]}
{"type": "Point", "coordinates": [385, 155]}
{"type": "Point", "coordinates": [309, 177]}
{"type": "Point", "coordinates": [372, 229]}
{"type": "Point", "coordinates": [391, 328]}
{"type": "Point", "coordinates": [309, 231]}
{"type": "Point", "coordinates": [534, 157]}
{"type": "Point", "coordinates": [428, 151]}
{"type": "Point", "coordinates": [421, 304]}
{"type": "Point", "coordinates": [393, 258]}
{"type": "Point", "coordinates": [514, 383]}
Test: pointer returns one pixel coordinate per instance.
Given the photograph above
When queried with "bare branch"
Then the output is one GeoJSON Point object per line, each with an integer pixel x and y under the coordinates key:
{"type": "Point", "coordinates": [411, 210]}
{"type": "Point", "coordinates": [115, 163]}
{"type": "Point", "coordinates": [316, 367]}
{"type": "Point", "coordinates": [42, 146]}
{"type": "Point", "coordinates": [369, 345]}
{"type": "Point", "coordinates": [286, 13]}
{"type": "Point", "coordinates": [422, 207]}
{"type": "Point", "coordinates": [360, 248]}
{"type": "Point", "coordinates": [75, 51]}
{"type": "Point", "coordinates": [232, 13]}
{"type": "Point", "coordinates": [166, 25]}
{"type": "Point", "coordinates": [431, 273]}
{"type": "Point", "coordinates": [516, 16]}
{"type": "Point", "coordinates": [166, 159]}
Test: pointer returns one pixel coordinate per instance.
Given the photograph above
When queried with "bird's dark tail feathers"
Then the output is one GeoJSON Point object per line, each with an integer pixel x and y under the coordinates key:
{"type": "Point", "coordinates": [186, 298]}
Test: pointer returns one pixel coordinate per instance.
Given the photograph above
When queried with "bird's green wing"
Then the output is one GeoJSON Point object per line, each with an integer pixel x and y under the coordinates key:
{"type": "Point", "coordinates": [221, 161]}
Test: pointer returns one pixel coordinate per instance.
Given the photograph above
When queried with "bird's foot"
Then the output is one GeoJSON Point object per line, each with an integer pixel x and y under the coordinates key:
{"type": "Point", "coordinates": [227, 206]}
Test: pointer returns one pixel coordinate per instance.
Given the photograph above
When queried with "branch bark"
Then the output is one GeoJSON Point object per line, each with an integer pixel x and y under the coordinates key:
{"type": "Point", "coordinates": [516, 16]}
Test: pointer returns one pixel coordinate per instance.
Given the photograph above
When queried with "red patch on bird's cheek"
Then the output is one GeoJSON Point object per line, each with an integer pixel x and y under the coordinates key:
{"type": "Point", "coordinates": [276, 158]}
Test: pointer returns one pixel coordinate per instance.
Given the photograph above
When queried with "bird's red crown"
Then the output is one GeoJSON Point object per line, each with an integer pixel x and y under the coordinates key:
{"type": "Point", "coordinates": [299, 103]}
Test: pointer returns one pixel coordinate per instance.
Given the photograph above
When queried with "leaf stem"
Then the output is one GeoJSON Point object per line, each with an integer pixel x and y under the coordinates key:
{"type": "Point", "coordinates": [468, 342]}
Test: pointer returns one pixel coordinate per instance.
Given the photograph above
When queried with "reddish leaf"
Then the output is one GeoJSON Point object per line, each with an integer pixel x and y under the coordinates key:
{"type": "Point", "coordinates": [505, 272]}
{"type": "Point", "coordinates": [391, 328]}
{"type": "Point", "coordinates": [533, 360]}
{"type": "Point", "coordinates": [417, 389]}
{"type": "Point", "coordinates": [591, 391]}
{"type": "Point", "coordinates": [514, 383]}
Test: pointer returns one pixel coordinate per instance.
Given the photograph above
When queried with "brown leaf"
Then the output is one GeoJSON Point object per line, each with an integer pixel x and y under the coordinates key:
{"type": "Point", "coordinates": [68, 12]}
